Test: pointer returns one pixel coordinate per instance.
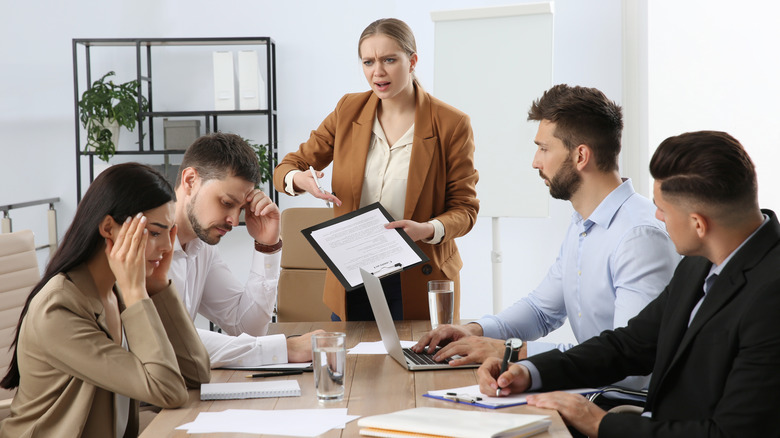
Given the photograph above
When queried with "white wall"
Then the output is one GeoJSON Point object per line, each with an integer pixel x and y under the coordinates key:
{"type": "Point", "coordinates": [713, 65]}
{"type": "Point", "coordinates": [317, 64]}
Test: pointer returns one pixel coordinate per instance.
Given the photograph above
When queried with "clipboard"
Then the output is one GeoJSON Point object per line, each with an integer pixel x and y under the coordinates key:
{"type": "Point", "coordinates": [405, 254]}
{"type": "Point", "coordinates": [470, 395]}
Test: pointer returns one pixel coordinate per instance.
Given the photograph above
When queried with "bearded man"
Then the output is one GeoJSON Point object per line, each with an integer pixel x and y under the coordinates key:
{"type": "Point", "coordinates": [616, 256]}
{"type": "Point", "coordinates": [216, 182]}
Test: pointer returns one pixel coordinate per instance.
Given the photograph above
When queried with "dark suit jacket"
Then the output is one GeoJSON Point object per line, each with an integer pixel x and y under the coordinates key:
{"type": "Point", "coordinates": [441, 184]}
{"type": "Point", "coordinates": [718, 377]}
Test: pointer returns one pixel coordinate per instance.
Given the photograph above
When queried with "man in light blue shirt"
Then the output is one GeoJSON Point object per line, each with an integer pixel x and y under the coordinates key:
{"type": "Point", "coordinates": [616, 256]}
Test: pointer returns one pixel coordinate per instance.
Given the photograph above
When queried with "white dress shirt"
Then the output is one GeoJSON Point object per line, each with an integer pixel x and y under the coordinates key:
{"type": "Point", "coordinates": [385, 176]}
{"type": "Point", "coordinates": [207, 286]}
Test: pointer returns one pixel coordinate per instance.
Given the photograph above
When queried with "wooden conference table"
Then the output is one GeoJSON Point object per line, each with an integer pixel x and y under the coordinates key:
{"type": "Point", "coordinates": [374, 384]}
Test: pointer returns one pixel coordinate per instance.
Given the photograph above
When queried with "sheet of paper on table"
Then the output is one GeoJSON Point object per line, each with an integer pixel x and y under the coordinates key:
{"type": "Point", "coordinates": [375, 347]}
{"type": "Point", "coordinates": [292, 422]}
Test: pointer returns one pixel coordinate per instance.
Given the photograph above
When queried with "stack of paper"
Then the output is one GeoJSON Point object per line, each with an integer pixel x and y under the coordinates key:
{"type": "Point", "coordinates": [455, 423]}
{"type": "Point", "coordinates": [293, 422]}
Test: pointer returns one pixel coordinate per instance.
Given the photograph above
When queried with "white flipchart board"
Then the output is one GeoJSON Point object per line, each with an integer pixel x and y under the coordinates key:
{"type": "Point", "coordinates": [492, 63]}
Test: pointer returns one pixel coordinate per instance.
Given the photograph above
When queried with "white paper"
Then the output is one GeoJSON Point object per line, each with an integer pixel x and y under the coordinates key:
{"type": "Point", "coordinates": [364, 242]}
{"type": "Point", "coordinates": [293, 422]}
{"type": "Point", "coordinates": [375, 347]}
{"type": "Point", "coordinates": [512, 399]}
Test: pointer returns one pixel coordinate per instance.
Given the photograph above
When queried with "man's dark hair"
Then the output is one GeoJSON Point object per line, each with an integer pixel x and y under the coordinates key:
{"type": "Point", "coordinates": [219, 155]}
{"type": "Point", "coordinates": [709, 168]}
{"type": "Point", "coordinates": [583, 116]}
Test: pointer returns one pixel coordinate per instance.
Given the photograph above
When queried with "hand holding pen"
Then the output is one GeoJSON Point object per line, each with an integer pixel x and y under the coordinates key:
{"type": "Point", "coordinates": [512, 345]}
{"type": "Point", "coordinates": [310, 182]}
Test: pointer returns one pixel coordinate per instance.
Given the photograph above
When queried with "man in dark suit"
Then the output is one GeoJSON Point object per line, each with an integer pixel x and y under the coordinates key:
{"type": "Point", "coordinates": [711, 339]}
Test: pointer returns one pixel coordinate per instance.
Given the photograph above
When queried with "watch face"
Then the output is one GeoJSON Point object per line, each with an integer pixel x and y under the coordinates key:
{"type": "Point", "coordinates": [514, 343]}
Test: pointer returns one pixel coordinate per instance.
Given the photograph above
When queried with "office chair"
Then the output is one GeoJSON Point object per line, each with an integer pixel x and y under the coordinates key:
{"type": "Point", "coordinates": [302, 280]}
{"type": "Point", "coordinates": [635, 400]}
{"type": "Point", "coordinates": [18, 274]}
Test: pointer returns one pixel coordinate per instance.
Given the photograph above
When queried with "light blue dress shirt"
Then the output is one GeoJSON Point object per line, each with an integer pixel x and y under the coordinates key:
{"type": "Point", "coordinates": [610, 266]}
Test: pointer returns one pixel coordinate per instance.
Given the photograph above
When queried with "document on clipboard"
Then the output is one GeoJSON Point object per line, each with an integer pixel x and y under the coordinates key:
{"type": "Point", "coordinates": [360, 240]}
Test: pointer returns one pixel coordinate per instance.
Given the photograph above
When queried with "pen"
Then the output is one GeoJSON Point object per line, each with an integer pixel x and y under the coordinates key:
{"type": "Point", "coordinates": [275, 373]}
{"type": "Point", "coordinates": [463, 398]}
{"type": "Point", "coordinates": [512, 344]}
{"type": "Point", "coordinates": [317, 180]}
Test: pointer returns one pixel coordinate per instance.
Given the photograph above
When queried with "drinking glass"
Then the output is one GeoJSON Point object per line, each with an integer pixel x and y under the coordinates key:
{"type": "Point", "coordinates": [441, 301]}
{"type": "Point", "coordinates": [330, 358]}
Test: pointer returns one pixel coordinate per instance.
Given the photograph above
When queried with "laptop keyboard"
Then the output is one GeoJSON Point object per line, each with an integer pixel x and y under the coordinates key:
{"type": "Point", "coordinates": [422, 358]}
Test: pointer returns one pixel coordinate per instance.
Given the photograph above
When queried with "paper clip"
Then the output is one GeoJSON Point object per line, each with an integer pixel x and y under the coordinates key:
{"type": "Point", "coordinates": [463, 398]}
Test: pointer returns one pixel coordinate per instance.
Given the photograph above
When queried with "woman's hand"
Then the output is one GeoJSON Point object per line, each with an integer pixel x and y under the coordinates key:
{"type": "Point", "coordinates": [159, 278]}
{"type": "Point", "coordinates": [304, 180]}
{"type": "Point", "coordinates": [127, 259]}
{"type": "Point", "coordinates": [415, 230]}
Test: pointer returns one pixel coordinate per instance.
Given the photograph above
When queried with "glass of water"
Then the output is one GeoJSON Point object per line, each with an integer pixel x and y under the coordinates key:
{"type": "Point", "coordinates": [441, 301]}
{"type": "Point", "coordinates": [329, 363]}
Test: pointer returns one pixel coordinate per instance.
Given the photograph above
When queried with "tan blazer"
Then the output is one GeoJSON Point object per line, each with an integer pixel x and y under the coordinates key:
{"type": "Point", "coordinates": [441, 183]}
{"type": "Point", "coordinates": [70, 367]}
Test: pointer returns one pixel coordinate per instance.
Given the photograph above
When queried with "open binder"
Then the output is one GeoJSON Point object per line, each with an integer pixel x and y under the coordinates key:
{"type": "Point", "coordinates": [359, 240]}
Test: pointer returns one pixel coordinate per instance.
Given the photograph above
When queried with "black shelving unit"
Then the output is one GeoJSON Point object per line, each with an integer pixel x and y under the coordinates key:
{"type": "Point", "coordinates": [145, 128]}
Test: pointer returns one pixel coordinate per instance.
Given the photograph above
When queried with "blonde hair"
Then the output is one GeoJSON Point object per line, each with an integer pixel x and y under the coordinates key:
{"type": "Point", "coordinates": [397, 31]}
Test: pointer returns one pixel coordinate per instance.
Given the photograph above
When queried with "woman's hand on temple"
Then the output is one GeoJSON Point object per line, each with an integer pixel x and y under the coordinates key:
{"type": "Point", "coordinates": [127, 259]}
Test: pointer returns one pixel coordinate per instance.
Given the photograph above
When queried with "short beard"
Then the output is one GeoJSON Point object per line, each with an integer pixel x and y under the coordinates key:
{"type": "Point", "coordinates": [565, 182]}
{"type": "Point", "coordinates": [202, 233]}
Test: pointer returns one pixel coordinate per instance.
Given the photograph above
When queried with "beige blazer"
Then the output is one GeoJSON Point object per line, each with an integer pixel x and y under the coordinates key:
{"type": "Point", "coordinates": [70, 367]}
{"type": "Point", "coordinates": [441, 183]}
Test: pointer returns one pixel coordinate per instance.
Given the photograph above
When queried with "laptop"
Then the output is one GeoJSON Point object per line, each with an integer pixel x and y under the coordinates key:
{"type": "Point", "coordinates": [407, 358]}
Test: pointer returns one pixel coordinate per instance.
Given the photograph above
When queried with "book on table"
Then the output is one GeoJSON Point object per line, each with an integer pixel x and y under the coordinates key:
{"type": "Point", "coordinates": [455, 423]}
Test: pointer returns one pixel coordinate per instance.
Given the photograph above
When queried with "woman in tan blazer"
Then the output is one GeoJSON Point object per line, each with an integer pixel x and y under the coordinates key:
{"type": "Point", "coordinates": [398, 145]}
{"type": "Point", "coordinates": [104, 327]}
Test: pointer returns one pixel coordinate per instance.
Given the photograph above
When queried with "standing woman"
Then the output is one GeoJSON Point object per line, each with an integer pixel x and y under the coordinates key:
{"type": "Point", "coordinates": [398, 145]}
{"type": "Point", "coordinates": [105, 327]}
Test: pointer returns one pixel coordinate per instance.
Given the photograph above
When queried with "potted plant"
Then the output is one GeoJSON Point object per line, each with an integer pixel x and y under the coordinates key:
{"type": "Point", "coordinates": [261, 150]}
{"type": "Point", "coordinates": [105, 105]}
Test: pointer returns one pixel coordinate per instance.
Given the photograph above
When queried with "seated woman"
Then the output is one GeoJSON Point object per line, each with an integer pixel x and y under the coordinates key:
{"type": "Point", "coordinates": [104, 328]}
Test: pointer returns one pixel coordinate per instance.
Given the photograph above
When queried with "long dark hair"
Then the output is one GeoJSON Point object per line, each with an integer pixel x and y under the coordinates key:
{"type": "Point", "coordinates": [120, 191]}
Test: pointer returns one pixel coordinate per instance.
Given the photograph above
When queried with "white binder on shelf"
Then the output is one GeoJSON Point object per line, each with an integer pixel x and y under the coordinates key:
{"type": "Point", "coordinates": [224, 88]}
{"type": "Point", "coordinates": [251, 89]}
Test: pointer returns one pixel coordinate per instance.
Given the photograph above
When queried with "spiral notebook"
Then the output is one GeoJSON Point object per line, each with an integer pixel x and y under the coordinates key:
{"type": "Point", "coordinates": [239, 390]}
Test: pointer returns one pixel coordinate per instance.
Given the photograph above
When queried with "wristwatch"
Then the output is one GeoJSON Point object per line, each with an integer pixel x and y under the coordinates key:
{"type": "Point", "coordinates": [268, 249]}
{"type": "Point", "coordinates": [514, 344]}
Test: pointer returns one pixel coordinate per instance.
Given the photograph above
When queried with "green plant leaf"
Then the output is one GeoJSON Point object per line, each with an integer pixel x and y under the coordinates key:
{"type": "Point", "coordinates": [115, 102]}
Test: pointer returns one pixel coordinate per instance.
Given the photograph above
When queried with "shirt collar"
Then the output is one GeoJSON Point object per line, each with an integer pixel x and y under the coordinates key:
{"type": "Point", "coordinates": [192, 247]}
{"type": "Point", "coordinates": [407, 138]}
{"type": "Point", "coordinates": [608, 208]}
{"type": "Point", "coordinates": [716, 269]}
{"type": "Point", "coordinates": [377, 130]}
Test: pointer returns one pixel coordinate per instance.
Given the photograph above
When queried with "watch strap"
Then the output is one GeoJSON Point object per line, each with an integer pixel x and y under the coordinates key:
{"type": "Point", "coordinates": [268, 249]}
